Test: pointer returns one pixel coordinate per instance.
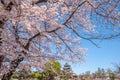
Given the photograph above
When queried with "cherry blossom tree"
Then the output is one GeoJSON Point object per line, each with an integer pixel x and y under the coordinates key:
{"type": "Point", "coordinates": [34, 31]}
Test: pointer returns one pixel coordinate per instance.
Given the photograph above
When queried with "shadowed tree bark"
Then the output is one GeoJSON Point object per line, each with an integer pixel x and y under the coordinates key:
{"type": "Point", "coordinates": [1, 27]}
{"type": "Point", "coordinates": [14, 65]}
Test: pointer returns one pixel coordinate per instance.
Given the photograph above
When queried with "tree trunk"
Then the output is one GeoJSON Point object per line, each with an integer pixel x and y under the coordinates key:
{"type": "Point", "coordinates": [14, 65]}
{"type": "Point", "coordinates": [1, 55]}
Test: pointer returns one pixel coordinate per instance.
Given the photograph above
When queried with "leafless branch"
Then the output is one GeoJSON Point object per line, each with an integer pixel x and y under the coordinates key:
{"type": "Point", "coordinates": [82, 36]}
{"type": "Point", "coordinates": [63, 42]}
{"type": "Point", "coordinates": [71, 15]}
{"type": "Point", "coordinates": [39, 1]}
{"type": "Point", "coordinates": [30, 39]}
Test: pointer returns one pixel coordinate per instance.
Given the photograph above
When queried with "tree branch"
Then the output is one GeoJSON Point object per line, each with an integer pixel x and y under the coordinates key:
{"type": "Point", "coordinates": [73, 12]}
{"type": "Point", "coordinates": [82, 36]}
{"type": "Point", "coordinates": [17, 36]}
{"type": "Point", "coordinates": [64, 42]}
{"type": "Point", "coordinates": [30, 39]}
{"type": "Point", "coordinates": [39, 1]}
{"type": "Point", "coordinates": [54, 30]}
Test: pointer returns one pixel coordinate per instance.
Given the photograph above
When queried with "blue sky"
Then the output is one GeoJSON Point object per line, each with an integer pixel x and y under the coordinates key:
{"type": "Point", "coordinates": [103, 57]}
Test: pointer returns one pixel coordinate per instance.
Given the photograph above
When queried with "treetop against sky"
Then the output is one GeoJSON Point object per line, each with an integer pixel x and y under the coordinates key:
{"type": "Point", "coordinates": [34, 31]}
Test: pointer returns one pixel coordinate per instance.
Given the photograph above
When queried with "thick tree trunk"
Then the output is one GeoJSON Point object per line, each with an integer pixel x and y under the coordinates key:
{"type": "Point", "coordinates": [1, 55]}
{"type": "Point", "coordinates": [14, 65]}
{"type": "Point", "coordinates": [7, 76]}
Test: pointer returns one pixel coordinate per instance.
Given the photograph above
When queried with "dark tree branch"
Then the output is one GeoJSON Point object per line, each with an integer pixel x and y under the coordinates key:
{"type": "Point", "coordinates": [30, 39]}
{"type": "Point", "coordinates": [39, 34]}
{"type": "Point", "coordinates": [39, 1]}
{"type": "Point", "coordinates": [17, 36]}
{"type": "Point", "coordinates": [7, 6]}
{"type": "Point", "coordinates": [54, 30]}
{"type": "Point", "coordinates": [82, 36]}
{"type": "Point", "coordinates": [71, 15]}
{"type": "Point", "coordinates": [14, 65]}
{"type": "Point", "coordinates": [1, 59]}
{"type": "Point", "coordinates": [112, 36]}
{"type": "Point", "coordinates": [2, 22]}
{"type": "Point", "coordinates": [2, 1]}
{"type": "Point", "coordinates": [63, 42]}
{"type": "Point", "coordinates": [101, 9]}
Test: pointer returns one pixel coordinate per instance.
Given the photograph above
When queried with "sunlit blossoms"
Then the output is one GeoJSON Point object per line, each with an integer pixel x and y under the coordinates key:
{"type": "Point", "coordinates": [34, 31]}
